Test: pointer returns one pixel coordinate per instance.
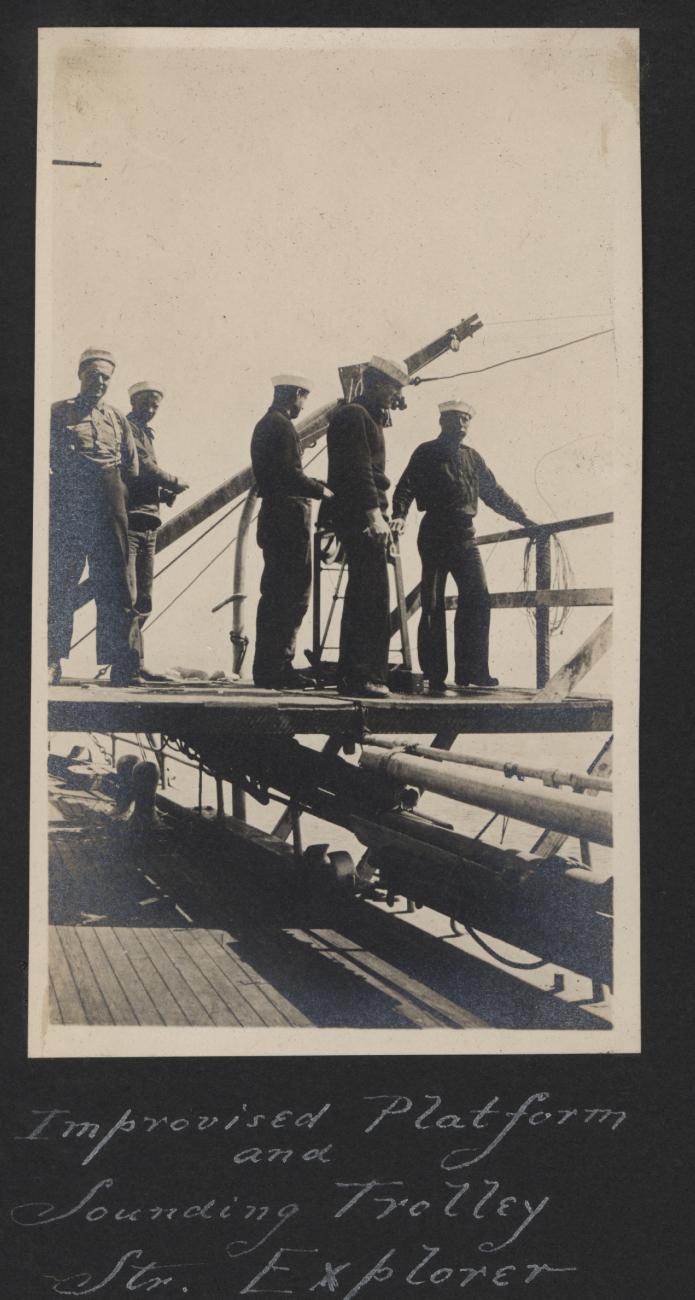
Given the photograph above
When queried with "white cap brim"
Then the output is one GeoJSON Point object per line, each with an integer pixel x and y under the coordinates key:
{"type": "Point", "coordinates": [393, 370]}
{"type": "Point", "coordinates": [97, 354]}
{"type": "Point", "coordinates": [144, 386]}
{"type": "Point", "coordinates": [456, 405]}
{"type": "Point", "coordinates": [292, 381]}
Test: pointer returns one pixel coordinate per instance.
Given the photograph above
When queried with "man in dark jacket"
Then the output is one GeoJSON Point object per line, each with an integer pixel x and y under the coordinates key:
{"type": "Point", "coordinates": [446, 479]}
{"type": "Point", "coordinates": [92, 455]}
{"type": "Point", "coordinates": [152, 486]}
{"type": "Point", "coordinates": [284, 535]}
{"type": "Point", "coordinates": [357, 477]}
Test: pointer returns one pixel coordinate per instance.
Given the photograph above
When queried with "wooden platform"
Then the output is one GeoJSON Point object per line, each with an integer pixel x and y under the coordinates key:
{"type": "Point", "coordinates": [169, 930]}
{"type": "Point", "coordinates": [207, 708]}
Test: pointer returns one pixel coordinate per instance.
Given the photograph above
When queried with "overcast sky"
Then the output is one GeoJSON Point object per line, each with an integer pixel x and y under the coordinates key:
{"type": "Point", "coordinates": [260, 210]}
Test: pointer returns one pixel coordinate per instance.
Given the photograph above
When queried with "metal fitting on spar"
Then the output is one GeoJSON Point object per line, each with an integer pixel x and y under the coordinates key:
{"type": "Point", "coordinates": [593, 824]}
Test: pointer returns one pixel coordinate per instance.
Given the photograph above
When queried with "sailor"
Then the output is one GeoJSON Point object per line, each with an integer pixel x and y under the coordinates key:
{"type": "Point", "coordinates": [446, 478]}
{"type": "Point", "coordinates": [284, 524]}
{"type": "Point", "coordinates": [357, 477]}
{"type": "Point", "coordinates": [92, 456]}
{"type": "Point", "coordinates": [152, 486]}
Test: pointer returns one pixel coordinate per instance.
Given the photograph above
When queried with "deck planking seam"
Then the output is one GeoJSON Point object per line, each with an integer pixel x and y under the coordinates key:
{"type": "Point", "coordinates": [256, 991]}
{"type": "Point", "coordinates": [91, 996]}
{"type": "Point", "coordinates": [67, 992]}
{"type": "Point", "coordinates": [114, 994]}
{"type": "Point", "coordinates": [241, 1004]}
{"type": "Point", "coordinates": [216, 1007]}
{"type": "Point", "coordinates": [157, 989]}
{"type": "Point", "coordinates": [138, 997]}
{"type": "Point", "coordinates": [55, 1013]}
{"type": "Point", "coordinates": [185, 996]}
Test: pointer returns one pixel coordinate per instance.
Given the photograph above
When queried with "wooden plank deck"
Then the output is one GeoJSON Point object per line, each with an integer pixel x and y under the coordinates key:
{"type": "Point", "coordinates": [211, 709]}
{"type": "Point", "coordinates": [125, 949]}
{"type": "Point", "coordinates": [183, 930]}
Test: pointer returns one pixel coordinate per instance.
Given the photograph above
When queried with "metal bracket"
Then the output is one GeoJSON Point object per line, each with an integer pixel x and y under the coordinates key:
{"type": "Point", "coordinates": [239, 639]}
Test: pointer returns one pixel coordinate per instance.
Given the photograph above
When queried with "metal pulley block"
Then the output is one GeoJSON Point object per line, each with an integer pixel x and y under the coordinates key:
{"type": "Point", "coordinates": [321, 869]}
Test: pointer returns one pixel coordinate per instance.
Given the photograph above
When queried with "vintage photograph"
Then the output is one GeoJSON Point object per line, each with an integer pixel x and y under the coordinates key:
{"type": "Point", "coordinates": [337, 542]}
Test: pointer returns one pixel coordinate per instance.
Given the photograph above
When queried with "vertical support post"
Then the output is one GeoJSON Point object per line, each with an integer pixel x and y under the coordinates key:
{"type": "Point", "coordinates": [200, 789]}
{"type": "Point", "coordinates": [113, 751]}
{"type": "Point", "coordinates": [238, 803]}
{"type": "Point", "coordinates": [543, 575]}
{"type": "Point", "coordinates": [164, 771]}
{"type": "Point", "coordinates": [401, 605]}
{"type": "Point", "coordinates": [296, 834]}
{"type": "Point", "coordinates": [220, 797]}
{"type": "Point", "coordinates": [240, 554]}
{"type": "Point", "coordinates": [240, 644]}
{"type": "Point", "coordinates": [316, 603]}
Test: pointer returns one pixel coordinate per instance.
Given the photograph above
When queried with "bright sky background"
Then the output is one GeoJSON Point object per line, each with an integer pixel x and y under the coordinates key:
{"type": "Point", "coordinates": [259, 211]}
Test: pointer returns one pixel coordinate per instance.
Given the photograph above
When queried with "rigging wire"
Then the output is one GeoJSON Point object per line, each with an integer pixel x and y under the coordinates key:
{"type": "Point", "coordinates": [189, 548]}
{"type": "Point", "coordinates": [199, 539]}
{"type": "Point", "coordinates": [531, 320]}
{"type": "Point", "coordinates": [176, 557]}
{"type": "Point", "coordinates": [212, 561]}
{"type": "Point", "coordinates": [197, 576]}
{"type": "Point", "coordinates": [433, 379]}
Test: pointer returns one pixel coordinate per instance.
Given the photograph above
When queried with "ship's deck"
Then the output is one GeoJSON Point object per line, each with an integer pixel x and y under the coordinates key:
{"type": "Point", "coordinates": [209, 708]}
{"type": "Point", "coordinates": [184, 929]}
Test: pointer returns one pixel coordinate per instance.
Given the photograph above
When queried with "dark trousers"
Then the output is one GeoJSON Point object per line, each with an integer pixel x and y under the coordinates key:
{"type": "Point", "coordinates": [447, 547]}
{"type": "Point", "coordinates": [284, 536]}
{"type": "Point", "coordinates": [365, 631]}
{"type": "Point", "coordinates": [88, 522]}
{"type": "Point", "coordinates": [141, 549]}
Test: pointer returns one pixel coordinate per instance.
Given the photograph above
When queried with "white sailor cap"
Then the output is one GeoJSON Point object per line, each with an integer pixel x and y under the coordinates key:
{"type": "Point", "coordinates": [456, 405]}
{"type": "Point", "coordinates": [394, 370]}
{"type": "Point", "coordinates": [292, 381]}
{"type": "Point", "coordinates": [96, 354]}
{"type": "Point", "coordinates": [144, 386]}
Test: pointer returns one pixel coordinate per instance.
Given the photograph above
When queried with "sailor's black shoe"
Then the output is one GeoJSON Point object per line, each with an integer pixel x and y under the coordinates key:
{"type": "Point", "coordinates": [365, 690]}
{"type": "Point", "coordinates": [481, 681]}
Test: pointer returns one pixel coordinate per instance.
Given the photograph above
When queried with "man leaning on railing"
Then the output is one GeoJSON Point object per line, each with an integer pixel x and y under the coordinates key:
{"type": "Point", "coordinates": [446, 478]}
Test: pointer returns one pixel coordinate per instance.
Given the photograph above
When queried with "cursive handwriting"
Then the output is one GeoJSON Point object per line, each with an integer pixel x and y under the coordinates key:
{"type": "Point", "coordinates": [148, 1124]}
{"type": "Point", "coordinates": [67, 1285]}
{"type": "Point", "coordinates": [384, 1269]}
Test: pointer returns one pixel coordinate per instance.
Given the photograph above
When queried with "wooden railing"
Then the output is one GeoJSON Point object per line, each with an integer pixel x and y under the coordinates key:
{"type": "Point", "coordinates": [544, 598]}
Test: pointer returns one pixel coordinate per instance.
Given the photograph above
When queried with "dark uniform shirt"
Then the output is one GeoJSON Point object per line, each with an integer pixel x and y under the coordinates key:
{"type": "Point", "coordinates": [144, 496]}
{"type": "Point", "coordinates": [450, 482]}
{"type": "Point", "coordinates": [356, 463]}
{"type": "Point", "coordinates": [98, 434]}
{"type": "Point", "coordinates": [276, 457]}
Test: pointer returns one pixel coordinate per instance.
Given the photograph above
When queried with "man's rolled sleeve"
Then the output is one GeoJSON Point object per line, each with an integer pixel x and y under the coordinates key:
{"type": "Point", "coordinates": [405, 491]}
{"type": "Point", "coordinates": [129, 452]}
{"type": "Point", "coordinates": [497, 499]}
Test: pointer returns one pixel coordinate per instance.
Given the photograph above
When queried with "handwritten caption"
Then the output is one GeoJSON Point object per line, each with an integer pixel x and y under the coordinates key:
{"type": "Point", "coordinates": [492, 1214]}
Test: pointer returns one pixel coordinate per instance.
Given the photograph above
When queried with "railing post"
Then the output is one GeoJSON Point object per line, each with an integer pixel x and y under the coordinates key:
{"type": "Point", "coordinates": [543, 576]}
{"type": "Point", "coordinates": [316, 601]}
{"type": "Point", "coordinates": [238, 803]}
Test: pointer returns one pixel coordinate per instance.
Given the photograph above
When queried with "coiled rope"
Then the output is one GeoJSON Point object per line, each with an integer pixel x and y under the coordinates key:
{"type": "Point", "coordinates": [562, 578]}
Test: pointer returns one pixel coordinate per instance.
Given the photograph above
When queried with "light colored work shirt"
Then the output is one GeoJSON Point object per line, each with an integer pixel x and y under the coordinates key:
{"type": "Point", "coordinates": [99, 434]}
